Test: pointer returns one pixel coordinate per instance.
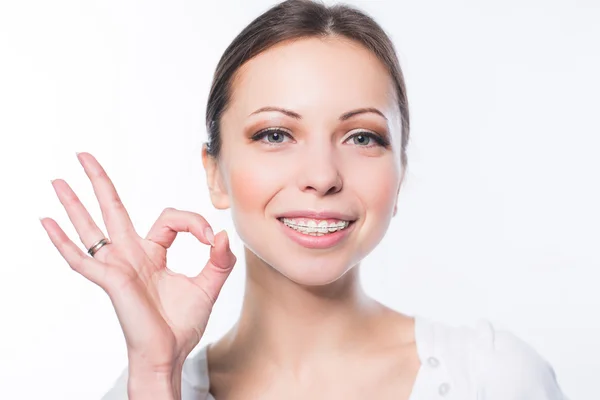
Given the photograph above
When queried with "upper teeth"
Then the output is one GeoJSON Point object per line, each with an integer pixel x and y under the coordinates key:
{"type": "Point", "coordinates": [314, 225]}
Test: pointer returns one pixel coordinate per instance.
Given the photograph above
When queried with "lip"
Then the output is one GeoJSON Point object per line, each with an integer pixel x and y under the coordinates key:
{"type": "Point", "coordinates": [311, 214]}
{"type": "Point", "coordinates": [317, 242]}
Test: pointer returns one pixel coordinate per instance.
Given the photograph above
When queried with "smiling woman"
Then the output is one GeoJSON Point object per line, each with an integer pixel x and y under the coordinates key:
{"type": "Point", "coordinates": [308, 129]}
{"type": "Point", "coordinates": [318, 146]}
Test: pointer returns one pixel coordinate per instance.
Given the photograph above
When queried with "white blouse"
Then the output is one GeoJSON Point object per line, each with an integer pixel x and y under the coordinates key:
{"type": "Point", "coordinates": [460, 363]}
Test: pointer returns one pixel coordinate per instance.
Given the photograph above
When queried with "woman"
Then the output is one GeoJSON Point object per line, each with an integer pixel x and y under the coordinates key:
{"type": "Point", "coordinates": [308, 127]}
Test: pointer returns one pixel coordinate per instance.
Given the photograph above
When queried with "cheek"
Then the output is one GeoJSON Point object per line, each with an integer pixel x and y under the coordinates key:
{"type": "Point", "coordinates": [252, 184]}
{"type": "Point", "coordinates": [376, 184]}
{"type": "Point", "coordinates": [246, 187]}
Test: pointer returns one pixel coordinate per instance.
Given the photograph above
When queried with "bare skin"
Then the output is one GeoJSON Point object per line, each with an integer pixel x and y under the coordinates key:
{"type": "Point", "coordinates": [163, 314]}
{"type": "Point", "coordinates": [383, 365]}
{"type": "Point", "coordinates": [307, 329]}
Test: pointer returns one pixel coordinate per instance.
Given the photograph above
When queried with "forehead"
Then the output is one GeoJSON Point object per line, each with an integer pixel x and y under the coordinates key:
{"type": "Point", "coordinates": [314, 75]}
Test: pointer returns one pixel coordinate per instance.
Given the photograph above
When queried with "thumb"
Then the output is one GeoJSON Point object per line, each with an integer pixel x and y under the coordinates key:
{"type": "Point", "coordinates": [217, 269]}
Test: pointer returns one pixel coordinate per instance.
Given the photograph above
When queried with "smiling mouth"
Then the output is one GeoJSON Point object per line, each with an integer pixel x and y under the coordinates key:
{"type": "Point", "coordinates": [315, 227]}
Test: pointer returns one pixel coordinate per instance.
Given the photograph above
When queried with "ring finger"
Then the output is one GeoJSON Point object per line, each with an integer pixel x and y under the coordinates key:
{"type": "Point", "coordinates": [86, 228]}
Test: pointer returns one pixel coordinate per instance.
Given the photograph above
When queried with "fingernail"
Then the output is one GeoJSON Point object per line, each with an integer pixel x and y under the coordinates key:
{"type": "Point", "coordinates": [226, 235]}
{"type": "Point", "coordinates": [210, 236]}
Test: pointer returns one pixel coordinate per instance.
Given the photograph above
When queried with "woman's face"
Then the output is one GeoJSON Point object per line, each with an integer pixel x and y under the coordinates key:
{"type": "Point", "coordinates": [296, 145]}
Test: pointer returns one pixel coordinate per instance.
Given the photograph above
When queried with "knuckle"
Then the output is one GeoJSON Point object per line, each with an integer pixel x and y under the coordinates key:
{"type": "Point", "coordinates": [116, 203]}
{"type": "Point", "coordinates": [195, 217]}
{"type": "Point", "coordinates": [109, 256]}
{"type": "Point", "coordinates": [199, 219]}
{"type": "Point", "coordinates": [100, 173]}
{"type": "Point", "coordinates": [70, 198]}
{"type": "Point", "coordinates": [168, 211]}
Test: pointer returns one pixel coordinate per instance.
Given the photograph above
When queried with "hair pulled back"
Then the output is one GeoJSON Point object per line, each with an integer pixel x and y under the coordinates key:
{"type": "Point", "coordinates": [298, 19]}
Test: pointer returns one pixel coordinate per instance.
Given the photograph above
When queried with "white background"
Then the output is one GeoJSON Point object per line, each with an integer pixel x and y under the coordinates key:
{"type": "Point", "coordinates": [499, 216]}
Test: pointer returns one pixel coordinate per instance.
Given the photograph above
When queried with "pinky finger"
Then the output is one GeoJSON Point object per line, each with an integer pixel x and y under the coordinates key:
{"type": "Point", "coordinates": [75, 257]}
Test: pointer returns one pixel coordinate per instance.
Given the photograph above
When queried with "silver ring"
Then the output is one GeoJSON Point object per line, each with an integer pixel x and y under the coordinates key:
{"type": "Point", "coordinates": [97, 246]}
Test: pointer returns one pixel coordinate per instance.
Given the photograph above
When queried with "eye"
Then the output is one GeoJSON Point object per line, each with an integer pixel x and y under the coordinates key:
{"type": "Point", "coordinates": [273, 135]}
{"type": "Point", "coordinates": [366, 139]}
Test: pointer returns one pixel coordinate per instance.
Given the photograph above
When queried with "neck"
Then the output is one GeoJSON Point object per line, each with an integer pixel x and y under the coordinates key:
{"type": "Point", "coordinates": [288, 323]}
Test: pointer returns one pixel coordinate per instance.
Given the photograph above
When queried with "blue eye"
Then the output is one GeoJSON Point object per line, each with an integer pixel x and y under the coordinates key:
{"type": "Point", "coordinates": [361, 139]}
{"type": "Point", "coordinates": [364, 139]}
{"type": "Point", "coordinates": [276, 136]}
{"type": "Point", "coordinates": [273, 135]}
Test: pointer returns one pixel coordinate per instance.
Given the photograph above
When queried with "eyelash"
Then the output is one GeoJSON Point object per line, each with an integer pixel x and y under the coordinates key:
{"type": "Point", "coordinates": [383, 142]}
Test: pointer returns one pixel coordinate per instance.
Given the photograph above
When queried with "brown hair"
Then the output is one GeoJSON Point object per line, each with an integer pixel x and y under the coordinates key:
{"type": "Point", "coordinates": [297, 19]}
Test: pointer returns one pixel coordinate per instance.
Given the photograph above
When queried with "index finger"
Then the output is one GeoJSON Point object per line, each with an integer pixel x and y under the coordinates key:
{"type": "Point", "coordinates": [115, 215]}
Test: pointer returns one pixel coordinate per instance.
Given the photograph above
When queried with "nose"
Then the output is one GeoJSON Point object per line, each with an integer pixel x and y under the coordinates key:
{"type": "Point", "coordinates": [320, 172]}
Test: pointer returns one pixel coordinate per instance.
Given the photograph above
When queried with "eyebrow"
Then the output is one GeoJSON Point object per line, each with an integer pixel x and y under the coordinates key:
{"type": "Point", "coordinates": [343, 117]}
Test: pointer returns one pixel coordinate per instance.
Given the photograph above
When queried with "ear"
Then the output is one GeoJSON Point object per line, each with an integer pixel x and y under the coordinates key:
{"type": "Point", "coordinates": [214, 179]}
{"type": "Point", "coordinates": [398, 192]}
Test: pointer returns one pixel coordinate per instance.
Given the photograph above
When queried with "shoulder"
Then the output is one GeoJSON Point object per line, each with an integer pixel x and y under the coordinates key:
{"type": "Point", "coordinates": [508, 367]}
{"type": "Point", "coordinates": [494, 363]}
{"type": "Point", "coordinates": [194, 380]}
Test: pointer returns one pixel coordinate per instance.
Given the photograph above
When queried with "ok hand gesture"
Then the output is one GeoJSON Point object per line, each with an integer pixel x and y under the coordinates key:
{"type": "Point", "coordinates": [163, 314]}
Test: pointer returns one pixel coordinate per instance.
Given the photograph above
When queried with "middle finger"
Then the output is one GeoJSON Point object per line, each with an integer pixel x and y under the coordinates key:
{"type": "Point", "coordinates": [86, 228]}
{"type": "Point", "coordinates": [117, 221]}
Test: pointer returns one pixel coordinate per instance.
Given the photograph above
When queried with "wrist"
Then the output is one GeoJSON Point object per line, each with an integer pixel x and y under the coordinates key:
{"type": "Point", "coordinates": [148, 383]}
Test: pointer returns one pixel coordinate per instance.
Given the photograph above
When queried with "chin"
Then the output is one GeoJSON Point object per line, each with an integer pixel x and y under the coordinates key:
{"type": "Point", "coordinates": [313, 271]}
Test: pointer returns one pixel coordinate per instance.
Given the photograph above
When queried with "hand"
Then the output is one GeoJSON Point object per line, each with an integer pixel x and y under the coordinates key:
{"type": "Point", "coordinates": [163, 314]}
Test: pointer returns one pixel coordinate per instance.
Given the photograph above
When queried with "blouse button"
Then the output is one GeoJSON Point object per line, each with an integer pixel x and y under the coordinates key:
{"type": "Point", "coordinates": [443, 389]}
{"type": "Point", "coordinates": [433, 362]}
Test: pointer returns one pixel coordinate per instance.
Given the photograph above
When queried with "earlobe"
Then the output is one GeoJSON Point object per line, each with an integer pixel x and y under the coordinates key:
{"type": "Point", "coordinates": [216, 187]}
